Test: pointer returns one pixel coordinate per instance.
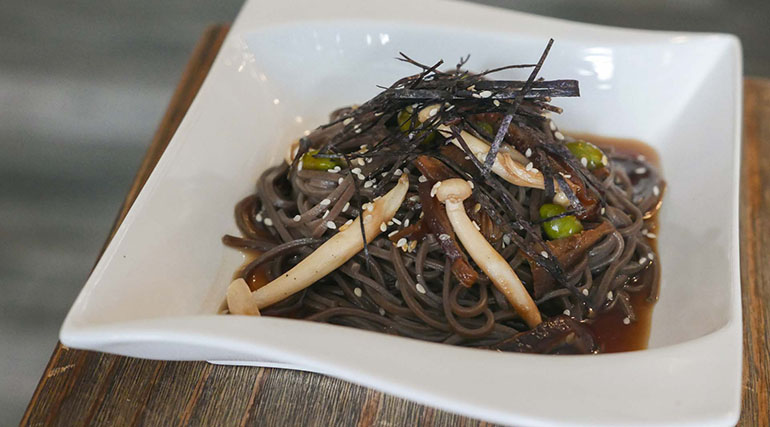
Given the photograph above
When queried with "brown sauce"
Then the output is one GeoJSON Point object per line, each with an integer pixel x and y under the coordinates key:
{"type": "Point", "coordinates": [610, 331]}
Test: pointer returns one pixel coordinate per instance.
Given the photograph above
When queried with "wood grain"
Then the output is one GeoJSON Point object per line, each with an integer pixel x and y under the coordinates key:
{"type": "Point", "coordinates": [88, 388]}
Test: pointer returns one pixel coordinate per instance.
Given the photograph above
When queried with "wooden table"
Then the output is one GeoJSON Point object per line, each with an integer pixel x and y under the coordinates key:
{"type": "Point", "coordinates": [83, 387]}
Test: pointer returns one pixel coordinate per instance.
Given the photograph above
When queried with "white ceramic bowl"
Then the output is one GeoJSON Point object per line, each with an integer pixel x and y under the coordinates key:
{"type": "Point", "coordinates": [285, 65]}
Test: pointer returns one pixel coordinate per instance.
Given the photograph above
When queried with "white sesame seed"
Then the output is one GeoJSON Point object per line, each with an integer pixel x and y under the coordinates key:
{"type": "Point", "coordinates": [642, 260]}
{"type": "Point", "coordinates": [337, 168]}
{"type": "Point", "coordinates": [470, 184]}
{"type": "Point", "coordinates": [331, 225]}
{"type": "Point", "coordinates": [382, 311]}
{"type": "Point", "coordinates": [507, 239]}
{"type": "Point", "coordinates": [651, 235]}
{"type": "Point", "coordinates": [396, 220]}
{"type": "Point", "coordinates": [449, 107]}
{"type": "Point", "coordinates": [390, 223]}
{"type": "Point", "coordinates": [476, 95]}
{"type": "Point", "coordinates": [367, 219]}
{"type": "Point", "coordinates": [414, 198]}
{"type": "Point", "coordinates": [528, 152]}
{"type": "Point", "coordinates": [422, 179]}
{"type": "Point", "coordinates": [552, 125]}
{"type": "Point", "coordinates": [584, 161]}
{"type": "Point", "coordinates": [333, 170]}
{"type": "Point", "coordinates": [339, 181]}
{"type": "Point", "coordinates": [566, 312]}
{"type": "Point", "coordinates": [420, 288]}
{"type": "Point", "coordinates": [383, 227]}
{"type": "Point", "coordinates": [259, 217]}
{"type": "Point", "coordinates": [443, 236]}
{"type": "Point", "coordinates": [360, 162]}
{"type": "Point", "coordinates": [544, 254]}
{"type": "Point", "coordinates": [485, 93]}
{"type": "Point", "coordinates": [535, 170]}
{"type": "Point", "coordinates": [397, 172]}
{"type": "Point", "coordinates": [412, 245]}
{"type": "Point", "coordinates": [432, 112]}
{"type": "Point", "coordinates": [406, 222]}
{"type": "Point", "coordinates": [477, 207]}
{"type": "Point", "coordinates": [603, 210]}
{"type": "Point", "coordinates": [640, 171]}
{"type": "Point", "coordinates": [325, 202]}
{"type": "Point", "coordinates": [401, 242]}
{"type": "Point", "coordinates": [406, 171]}
{"type": "Point", "coordinates": [368, 184]}
{"type": "Point", "coordinates": [496, 102]}
{"type": "Point", "coordinates": [610, 295]}
{"type": "Point", "coordinates": [299, 166]}
{"type": "Point", "coordinates": [325, 214]}
{"type": "Point", "coordinates": [558, 135]}
{"type": "Point", "coordinates": [476, 225]}
{"type": "Point", "coordinates": [369, 160]}
{"type": "Point", "coordinates": [360, 177]}
{"type": "Point", "coordinates": [651, 256]}
{"type": "Point", "coordinates": [358, 292]}
{"type": "Point", "coordinates": [641, 157]}
{"type": "Point", "coordinates": [392, 233]}
{"type": "Point", "coordinates": [566, 175]}
{"type": "Point", "coordinates": [369, 207]}
{"type": "Point", "coordinates": [355, 171]}
{"type": "Point", "coordinates": [268, 222]}
{"type": "Point", "coordinates": [656, 191]}
{"type": "Point", "coordinates": [605, 160]}
{"type": "Point", "coordinates": [345, 208]}
{"type": "Point", "coordinates": [528, 167]}
{"type": "Point", "coordinates": [297, 218]}
{"type": "Point", "coordinates": [347, 121]}
{"type": "Point", "coordinates": [585, 292]}
{"type": "Point", "coordinates": [626, 321]}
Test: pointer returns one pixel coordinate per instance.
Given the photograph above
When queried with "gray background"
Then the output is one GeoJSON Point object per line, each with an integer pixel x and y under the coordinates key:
{"type": "Point", "coordinates": [83, 84]}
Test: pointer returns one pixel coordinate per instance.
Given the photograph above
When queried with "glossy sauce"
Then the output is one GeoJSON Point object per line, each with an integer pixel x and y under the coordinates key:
{"type": "Point", "coordinates": [612, 334]}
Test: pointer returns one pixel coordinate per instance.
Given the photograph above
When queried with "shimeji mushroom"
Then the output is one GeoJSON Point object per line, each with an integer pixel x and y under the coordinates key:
{"type": "Point", "coordinates": [508, 163]}
{"type": "Point", "coordinates": [239, 299]}
{"type": "Point", "coordinates": [328, 257]}
{"type": "Point", "coordinates": [452, 192]}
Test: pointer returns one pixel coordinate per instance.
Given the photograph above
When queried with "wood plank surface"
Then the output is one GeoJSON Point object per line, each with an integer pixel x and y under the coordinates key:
{"type": "Point", "coordinates": [89, 388]}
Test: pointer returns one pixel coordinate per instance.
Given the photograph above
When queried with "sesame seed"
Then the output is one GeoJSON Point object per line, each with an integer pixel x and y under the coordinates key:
{"type": "Point", "coordinates": [369, 207]}
{"type": "Point", "coordinates": [528, 167]}
{"type": "Point", "coordinates": [297, 218]}
{"type": "Point", "coordinates": [383, 227]}
{"type": "Point", "coordinates": [333, 170]}
{"type": "Point", "coordinates": [390, 223]}
{"type": "Point", "coordinates": [585, 292]}
{"type": "Point", "coordinates": [345, 208]}
{"type": "Point", "coordinates": [432, 112]}
{"type": "Point", "coordinates": [348, 222]}
{"type": "Point", "coordinates": [642, 260]}
{"type": "Point", "coordinates": [347, 121]}
{"type": "Point", "coordinates": [358, 292]}
{"type": "Point", "coordinates": [470, 184]}
{"type": "Point", "coordinates": [443, 236]}
{"type": "Point", "coordinates": [544, 254]}
{"type": "Point", "coordinates": [259, 217]}
{"type": "Point", "coordinates": [369, 160]}
{"type": "Point", "coordinates": [401, 242]}
{"type": "Point", "coordinates": [477, 207]}
{"type": "Point", "coordinates": [609, 295]}
{"type": "Point", "coordinates": [325, 214]}
{"type": "Point", "coordinates": [392, 233]}
{"type": "Point", "coordinates": [339, 181]}
{"type": "Point", "coordinates": [641, 157]}
{"type": "Point", "coordinates": [640, 171]}
{"type": "Point", "coordinates": [406, 171]}
{"type": "Point", "coordinates": [420, 288]}
{"type": "Point", "coordinates": [299, 166]}
{"type": "Point", "coordinates": [485, 94]}
{"type": "Point", "coordinates": [412, 245]}
{"type": "Point", "coordinates": [406, 222]}
{"type": "Point", "coordinates": [552, 125]}
{"type": "Point", "coordinates": [357, 130]}
{"type": "Point", "coordinates": [651, 256]}
{"type": "Point", "coordinates": [331, 225]}
{"type": "Point", "coordinates": [496, 102]}
{"type": "Point", "coordinates": [651, 235]}
{"type": "Point", "coordinates": [656, 191]}
{"type": "Point", "coordinates": [605, 160]}
{"type": "Point", "coordinates": [397, 172]}
{"type": "Point", "coordinates": [337, 169]}
{"type": "Point", "coordinates": [566, 175]}
{"type": "Point", "coordinates": [603, 210]}
{"type": "Point", "coordinates": [355, 171]}
{"type": "Point", "coordinates": [566, 312]}
{"type": "Point", "coordinates": [476, 95]}
{"type": "Point", "coordinates": [396, 220]}
{"type": "Point", "coordinates": [268, 222]}
{"type": "Point", "coordinates": [626, 321]}
{"type": "Point", "coordinates": [360, 161]}
{"type": "Point", "coordinates": [535, 170]}
{"type": "Point", "coordinates": [414, 198]}
{"type": "Point", "coordinates": [558, 135]}
{"type": "Point", "coordinates": [422, 179]}
{"type": "Point", "coordinates": [382, 311]}
{"type": "Point", "coordinates": [472, 87]}
{"type": "Point", "coordinates": [584, 162]}
{"type": "Point", "coordinates": [360, 177]}
{"type": "Point", "coordinates": [325, 202]}
{"type": "Point", "coordinates": [528, 152]}
{"type": "Point", "coordinates": [507, 239]}
{"type": "Point", "coordinates": [449, 107]}
{"type": "Point", "coordinates": [368, 184]}
{"type": "Point", "coordinates": [367, 219]}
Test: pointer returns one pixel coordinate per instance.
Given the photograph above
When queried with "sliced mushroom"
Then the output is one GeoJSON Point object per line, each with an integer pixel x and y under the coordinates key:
{"type": "Point", "coordinates": [452, 192]}
{"type": "Point", "coordinates": [335, 251]}
{"type": "Point", "coordinates": [239, 300]}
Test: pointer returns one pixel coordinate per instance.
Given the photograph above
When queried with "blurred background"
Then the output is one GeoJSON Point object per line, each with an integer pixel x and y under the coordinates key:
{"type": "Point", "coordinates": [84, 83]}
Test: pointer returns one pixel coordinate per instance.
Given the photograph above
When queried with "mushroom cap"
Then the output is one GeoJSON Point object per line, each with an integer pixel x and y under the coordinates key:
{"type": "Point", "coordinates": [455, 189]}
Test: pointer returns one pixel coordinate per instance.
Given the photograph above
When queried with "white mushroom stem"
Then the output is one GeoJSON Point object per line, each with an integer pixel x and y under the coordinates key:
{"type": "Point", "coordinates": [452, 192]}
{"type": "Point", "coordinates": [291, 152]}
{"type": "Point", "coordinates": [239, 300]}
{"type": "Point", "coordinates": [335, 251]}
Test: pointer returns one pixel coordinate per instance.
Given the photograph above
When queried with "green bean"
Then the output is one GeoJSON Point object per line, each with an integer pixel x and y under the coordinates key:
{"type": "Point", "coordinates": [560, 227]}
{"type": "Point", "coordinates": [594, 157]}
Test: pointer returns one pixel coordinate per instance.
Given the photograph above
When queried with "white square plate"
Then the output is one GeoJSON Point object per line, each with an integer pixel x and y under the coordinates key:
{"type": "Point", "coordinates": [285, 65]}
